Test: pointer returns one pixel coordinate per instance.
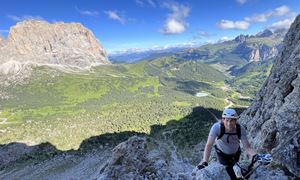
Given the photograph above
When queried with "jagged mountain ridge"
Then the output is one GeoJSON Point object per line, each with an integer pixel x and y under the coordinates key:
{"type": "Point", "coordinates": [273, 118]}
{"type": "Point", "coordinates": [245, 48]}
{"type": "Point", "coordinates": [65, 45]}
{"type": "Point", "coordinates": [239, 51]}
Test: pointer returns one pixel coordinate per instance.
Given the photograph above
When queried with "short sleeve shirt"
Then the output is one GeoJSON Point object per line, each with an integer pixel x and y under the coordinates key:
{"type": "Point", "coordinates": [228, 144]}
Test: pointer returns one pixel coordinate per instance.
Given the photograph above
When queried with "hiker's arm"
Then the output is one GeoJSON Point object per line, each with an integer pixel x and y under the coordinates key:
{"type": "Point", "coordinates": [209, 144]}
{"type": "Point", "coordinates": [247, 147]}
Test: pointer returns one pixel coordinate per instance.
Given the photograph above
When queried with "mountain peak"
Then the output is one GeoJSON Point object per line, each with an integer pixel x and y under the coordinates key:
{"type": "Point", "coordinates": [241, 38]}
{"type": "Point", "coordinates": [69, 45]}
{"type": "Point", "coordinates": [265, 33]}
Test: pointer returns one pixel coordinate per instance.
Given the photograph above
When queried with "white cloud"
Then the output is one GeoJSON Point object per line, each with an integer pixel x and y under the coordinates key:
{"type": "Point", "coordinates": [224, 38]}
{"type": "Point", "coordinates": [87, 12]}
{"type": "Point", "coordinates": [263, 17]}
{"type": "Point", "coordinates": [152, 3]}
{"type": "Point", "coordinates": [172, 26]}
{"type": "Point", "coordinates": [283, 24]}
{"type": "Point", "coordinates": [257, 18]}
{"type": "Point", "coordinates": [25, 17]}
{"type": "Point", "coordinates": [175, 23]}
{"type": "Point", "coordinates": [115, 16]}
{"type": "Point", "coordinates": [203, 33]}
{"type": "Point", "coordinates": [241, 1]}
{"type": "Point", "coordinates": [227, 24]}
{"type": "Point", "coordinates": [143, 3]}
{"type": "Point", "coordinates": [281, 11]}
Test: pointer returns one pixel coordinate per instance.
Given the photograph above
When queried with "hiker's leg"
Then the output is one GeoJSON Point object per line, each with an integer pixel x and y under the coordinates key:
{"type": "Point", "coordinates": [231, 172]}
{"type": "Point", "coordinates": [228, 162]}
{"type": "Point", "coordinates": [222, 159]}
{"type": "Point", "coordinates": [237, 156]}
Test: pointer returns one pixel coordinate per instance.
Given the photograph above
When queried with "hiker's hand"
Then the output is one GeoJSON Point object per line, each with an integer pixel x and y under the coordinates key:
{"type": "Point", "coordinates": [202, 165]}
{"type": "Point", "coordinates": [264, 159]}
{"type": "Point", "coordinates": [255, 157]}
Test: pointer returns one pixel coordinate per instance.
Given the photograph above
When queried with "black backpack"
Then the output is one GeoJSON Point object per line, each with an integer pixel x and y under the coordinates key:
{"type": "Point", "coordinates": [238, 131]}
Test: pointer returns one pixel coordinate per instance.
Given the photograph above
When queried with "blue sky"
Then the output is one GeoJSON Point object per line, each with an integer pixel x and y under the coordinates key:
{"type": "Point", "coordinates": [124, 24]}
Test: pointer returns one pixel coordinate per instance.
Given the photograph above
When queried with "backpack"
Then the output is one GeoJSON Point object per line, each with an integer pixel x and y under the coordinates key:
{"type": "Point", "coordinates": [238, 131]}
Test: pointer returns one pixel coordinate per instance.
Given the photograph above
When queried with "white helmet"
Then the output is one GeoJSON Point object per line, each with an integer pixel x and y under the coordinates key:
{"type": "Point", "coordinates": [229, 113]}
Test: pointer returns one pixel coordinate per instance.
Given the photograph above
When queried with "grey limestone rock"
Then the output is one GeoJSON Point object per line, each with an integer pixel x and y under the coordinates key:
{"type": "Point", "coordinates": [273, 118]}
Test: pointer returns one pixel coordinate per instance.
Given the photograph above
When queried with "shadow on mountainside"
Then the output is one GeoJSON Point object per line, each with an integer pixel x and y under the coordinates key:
{"type": "Point", "coordinates": [185, 132]}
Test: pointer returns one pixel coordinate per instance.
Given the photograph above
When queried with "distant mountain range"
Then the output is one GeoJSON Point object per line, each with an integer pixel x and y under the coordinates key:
{"type": "Point", "coordinates": [239, 51]}
{"type": "Point", "coordinates": [135, 55]}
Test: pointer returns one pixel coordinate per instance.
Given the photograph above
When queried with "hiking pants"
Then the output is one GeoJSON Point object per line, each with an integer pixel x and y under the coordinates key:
{"type": "Point", "coordinates": [229, 160]}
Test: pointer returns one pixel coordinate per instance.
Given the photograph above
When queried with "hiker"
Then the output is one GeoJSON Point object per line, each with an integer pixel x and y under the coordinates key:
{"type": "Point", "coordinates": [228, 134]}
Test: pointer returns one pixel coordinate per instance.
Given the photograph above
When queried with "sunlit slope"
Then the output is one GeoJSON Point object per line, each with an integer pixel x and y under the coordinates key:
{"type": "Point", "coordinates": [249, 78]}
{"type": "Point", "coordinates": [66, 108]}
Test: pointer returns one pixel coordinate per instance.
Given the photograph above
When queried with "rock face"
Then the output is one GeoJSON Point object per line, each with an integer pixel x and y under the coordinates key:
{"type": "Point", "coordinates": [253, 50]}
{"type": "Point", "coordinates": [256, 52]}
{"type": "Point", "coordinates": [241, 38]}
{"type": "Point", "coordinates": [273, 118]}
{"type": "Point", "coordinates": [136, 158]}
{"type": "Point", "coordinates": [69, 45]}
{"type": "Point", "coordinates": [129, 160]}
{"type": "Point", "coordinates": [133, 159]}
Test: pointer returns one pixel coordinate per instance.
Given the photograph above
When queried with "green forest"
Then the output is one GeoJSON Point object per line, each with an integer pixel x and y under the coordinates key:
{"type": "Point", "coordinates": [149, 97]}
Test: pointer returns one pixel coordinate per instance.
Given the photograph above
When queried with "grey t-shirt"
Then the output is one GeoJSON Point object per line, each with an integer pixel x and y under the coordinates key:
{"type": "Point", "coordinates": [222, 144]}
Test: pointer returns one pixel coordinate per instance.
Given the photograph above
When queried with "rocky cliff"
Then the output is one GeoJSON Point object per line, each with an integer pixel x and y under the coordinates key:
{"type": "Point", "coordinates": [255, 51]}
{"type": "Point", "coordinates": [134, 159]}
{"type": "Point", "coordinates": [273, 118]}
{"type": "Point", "coordinates": [66, 45]}
{"type": "Point", "coordinates": [239, 51]}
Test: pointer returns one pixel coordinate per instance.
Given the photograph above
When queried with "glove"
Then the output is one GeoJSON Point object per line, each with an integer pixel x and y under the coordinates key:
{"type": "Point", "coordinates": [202, 165]}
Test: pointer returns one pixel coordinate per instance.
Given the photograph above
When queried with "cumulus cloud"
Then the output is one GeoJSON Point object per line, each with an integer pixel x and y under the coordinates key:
{"type": "Point", "coordinates": [259, 18]}
{"type": "Point", "coordinates": [283, 24]}
{"type": "Point", "coordinates": [227, 24]}
{"type": "Point", "coordinates": [115, 16]}
{"type": "Point", "coordinates": [263, 17]}
{"type": "Point", "coordinates": [281, 11]}
{"type": "Point", "coordinates": [173, 26]}
{"type": "Point", "coordinates": [25, 17]}
{"type": "Point", "coordinates": [175, 22]}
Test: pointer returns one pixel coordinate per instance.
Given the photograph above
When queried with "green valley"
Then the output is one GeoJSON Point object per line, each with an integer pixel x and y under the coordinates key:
{"type": "Point", "coordinates": [67, 108]}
